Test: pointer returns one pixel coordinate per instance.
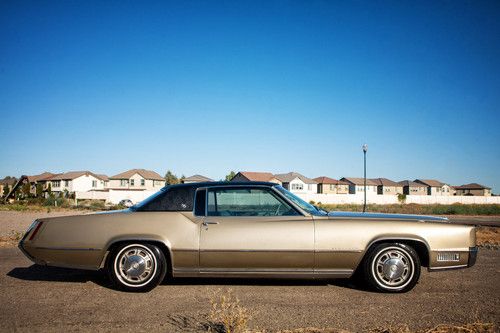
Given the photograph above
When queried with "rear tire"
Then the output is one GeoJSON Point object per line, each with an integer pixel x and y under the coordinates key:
{"type": "Point", "coordinates": [136, 267]}
{"type": "Point", "coordinates": [392, 268]}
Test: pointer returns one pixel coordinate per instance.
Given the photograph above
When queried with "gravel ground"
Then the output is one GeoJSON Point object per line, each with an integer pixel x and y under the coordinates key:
{"type": "Point", "coordinates": [35, 298]}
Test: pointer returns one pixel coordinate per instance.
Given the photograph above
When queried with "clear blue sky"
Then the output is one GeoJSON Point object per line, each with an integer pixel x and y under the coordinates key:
{"type": "Point", "coordinates": [209, 87]}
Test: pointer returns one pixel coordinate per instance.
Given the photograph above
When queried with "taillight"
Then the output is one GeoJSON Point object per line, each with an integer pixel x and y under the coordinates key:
{"type": "Point", "coordinates": [39, 224]}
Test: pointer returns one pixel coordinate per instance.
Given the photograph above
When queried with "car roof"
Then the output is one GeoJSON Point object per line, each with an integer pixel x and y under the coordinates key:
{"type": "Point", "coordinates": [222, 183]}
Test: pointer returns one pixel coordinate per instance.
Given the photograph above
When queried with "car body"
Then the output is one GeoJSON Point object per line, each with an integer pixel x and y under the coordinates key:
{"type": "Point", "coordinates": [251, 230]}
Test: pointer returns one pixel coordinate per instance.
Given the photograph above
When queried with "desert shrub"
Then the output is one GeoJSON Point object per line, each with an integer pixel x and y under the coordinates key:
{"type": "Point", "coordinates": [227, 315]}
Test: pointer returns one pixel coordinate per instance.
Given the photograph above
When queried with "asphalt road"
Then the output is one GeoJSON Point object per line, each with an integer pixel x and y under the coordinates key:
{"type": "Point", "coordinates": [35, 298]}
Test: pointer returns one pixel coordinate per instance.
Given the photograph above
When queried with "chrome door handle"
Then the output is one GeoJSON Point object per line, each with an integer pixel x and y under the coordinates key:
{"type": "Point", "coordinates": [206, 223]}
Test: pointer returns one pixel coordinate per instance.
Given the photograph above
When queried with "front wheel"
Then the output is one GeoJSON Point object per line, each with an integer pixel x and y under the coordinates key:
{"type": "Point", "coordinates": [136, 267]}
{"type": "Point", "coordinates": [392, 267]}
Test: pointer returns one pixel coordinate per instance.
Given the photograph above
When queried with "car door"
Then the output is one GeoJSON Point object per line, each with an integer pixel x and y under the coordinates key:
{"type": "Point", "coordinates": [254, 231]}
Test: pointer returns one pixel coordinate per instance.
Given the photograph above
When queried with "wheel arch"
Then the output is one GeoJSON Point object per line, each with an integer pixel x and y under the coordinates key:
{"type": "Point", "coordinates": [420, 246]}
{"type": "Point", "coordinates": [162, 245]}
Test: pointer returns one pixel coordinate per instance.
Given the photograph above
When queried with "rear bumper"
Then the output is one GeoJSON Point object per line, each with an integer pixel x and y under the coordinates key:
{"type": "Point", "coordinates": [472, 256]}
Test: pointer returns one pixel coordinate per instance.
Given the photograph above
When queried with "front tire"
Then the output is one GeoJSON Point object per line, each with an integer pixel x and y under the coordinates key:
{"type": "Point", "coordinates": [136, 267]}
{"type": "Point", "coordinates": [392, 268]}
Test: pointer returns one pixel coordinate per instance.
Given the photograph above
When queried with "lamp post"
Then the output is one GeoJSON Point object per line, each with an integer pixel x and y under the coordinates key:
{"type": "Point", "coordinates": [365, 149]}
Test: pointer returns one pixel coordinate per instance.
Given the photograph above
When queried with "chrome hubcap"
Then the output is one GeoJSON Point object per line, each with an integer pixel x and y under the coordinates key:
{"type": "Point", "coordinates": [135, 265]}
{"type": "Point", "coordinates": [393, 267]}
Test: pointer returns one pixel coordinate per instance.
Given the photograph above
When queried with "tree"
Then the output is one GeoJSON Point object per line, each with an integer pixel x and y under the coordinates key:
{"type": "Point", "coordinates": [39, 190]}
{"type": "Point", "coordinates": [49, 189]}
{"type": "Point", "coordinates": [6, 190]}
{"type": "Point", "coordinates": [170, 178]}
{"type": "Point", "coordinates": [182, 178]}
{"type": "Point", "coordinates": [25, 189]}
{"type": "Point", "coordinates": [230, 176]}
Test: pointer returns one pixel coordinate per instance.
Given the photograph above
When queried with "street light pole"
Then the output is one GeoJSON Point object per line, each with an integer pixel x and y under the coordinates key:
{"type": "Point", "coordinates": [365, 149]}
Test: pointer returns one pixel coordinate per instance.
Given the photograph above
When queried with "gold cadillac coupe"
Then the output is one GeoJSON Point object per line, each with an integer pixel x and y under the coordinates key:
{"type": "Point", "coordinates": [251, 230]}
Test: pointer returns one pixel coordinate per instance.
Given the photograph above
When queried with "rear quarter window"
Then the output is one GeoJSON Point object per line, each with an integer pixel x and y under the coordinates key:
{"type": "Point", "coordinates": [172, 200]}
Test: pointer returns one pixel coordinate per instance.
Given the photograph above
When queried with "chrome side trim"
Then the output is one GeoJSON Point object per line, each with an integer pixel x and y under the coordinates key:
{"type": "Point", "coordinates": [338, 251]}
{"type": "Point", "coordinates": [443, 268]}
{"type": "Point", "coordinates": [269, 250]}
{"type": "Point", "coordinates": [66, 248]}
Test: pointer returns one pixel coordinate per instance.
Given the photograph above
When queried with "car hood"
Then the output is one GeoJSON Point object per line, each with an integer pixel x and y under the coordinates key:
{"type": "Point", "coordinates": [386, 216]}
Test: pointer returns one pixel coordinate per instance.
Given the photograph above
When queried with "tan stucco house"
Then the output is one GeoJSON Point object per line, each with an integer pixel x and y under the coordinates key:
{"type": "Point", "coordinates": [356, 185]}
{"type": "Point", "coordinates": [387, 187]}
{"type": "Point", "coordinates": [473, 189]}
{"type": "Point", "coordinates": [412, 188]}
{"type": "Point", "coordinates": [137, 179]}
{"type": "Point", "coordinates": [196, 179]}
{"type": "Point", "coordinates": [329, 185]}
{"type": "Point", "coordinates": [435, 187]}
{"type": "Point", "coordinates": [249, 176]}
{"type": "Point", "coordinates": [76, 181]}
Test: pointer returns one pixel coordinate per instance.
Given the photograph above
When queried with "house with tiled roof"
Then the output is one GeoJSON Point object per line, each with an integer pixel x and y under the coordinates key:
{"type": "Point", "coordinates": [196, 179]}
{"type": "Point", "coordinates": [413, 188]}
{"type": "Point", "coordinates": [329, 185]}
{"type": "Point", "coordinates": [435, 187]}
{"type": "Point", "coordinates": [76, 181]}
{"type": "Point", "coordinates": [137, 179]}
{"type": "Point", "coordinates": [297, 183]}
{"type": "Point", "coordinates": [39, 180]}
{"type": "Point", "coordinates": [356, 185]}
{"type": "Point", "coordinates": [387, 187]}
{"type": "Point", "coordinates": [473, 189]}
{"type": "Point", "coordinates": [250, 176]}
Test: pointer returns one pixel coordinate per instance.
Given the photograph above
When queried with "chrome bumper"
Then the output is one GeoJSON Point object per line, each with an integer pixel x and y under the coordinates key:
{"type": "Point", "coordinates": [472, 256]}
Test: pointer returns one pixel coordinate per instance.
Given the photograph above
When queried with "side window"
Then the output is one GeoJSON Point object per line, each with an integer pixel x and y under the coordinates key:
{"type": "Point", "coordinates": [173, 199]}
{"type": "Point", "coordinates": [199, 203]}
{"type": "Point", "coordinates": [246, 202]}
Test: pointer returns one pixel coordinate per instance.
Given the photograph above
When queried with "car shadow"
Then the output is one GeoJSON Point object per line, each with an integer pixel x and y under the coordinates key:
{"type": "Point", "coordinates": [57, 274]}
{"type": "Point", "coordinates": [342, 283]}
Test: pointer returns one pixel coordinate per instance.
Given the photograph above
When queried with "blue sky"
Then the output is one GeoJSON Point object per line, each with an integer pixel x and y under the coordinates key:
{"type": "Point", "coordinates": [209, 87]}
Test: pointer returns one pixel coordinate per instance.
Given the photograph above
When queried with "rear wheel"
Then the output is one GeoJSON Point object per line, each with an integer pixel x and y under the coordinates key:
{"type": "Point", "coordinates": [392, 267]}
{"type": "Point", "coordinates": [136, 267]}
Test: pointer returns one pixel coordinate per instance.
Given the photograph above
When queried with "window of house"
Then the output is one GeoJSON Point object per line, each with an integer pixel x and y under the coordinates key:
{"type": "Point", "coordinates": [332, 187]}
{"type": "Point", "coordinates": [297, 186]}
{"type": "Point", "coordinates": [56, 183]}
{"type": "Point", "coordinates": [309, 187]}
{"type": "Point", "coordinates": [94, 183]}
{"type": "Point", "coordinates": [143, 182]}
{"type": "Point", "coordinates": [123, 182]}
{"type": "Point", "coordinates": [132, 182]}
{"type": "Point", "coordinates": [66, 183]}
{"type": "Point", "coordinates": [247, 202]}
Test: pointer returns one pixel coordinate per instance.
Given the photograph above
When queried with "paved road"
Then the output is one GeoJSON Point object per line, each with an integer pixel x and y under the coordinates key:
{"type": "Point", "coordinates": [35, 298]}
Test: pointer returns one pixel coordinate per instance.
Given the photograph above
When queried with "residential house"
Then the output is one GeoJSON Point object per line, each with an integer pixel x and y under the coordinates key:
{"type": "Point", "coordinates": [247, 176]}
{"type": "Point", "coordinates": [329, 185]}
{"type": "Point", "coordinates": [435, 187]}
{"type": "Point", "coordinates": [196, 179]}
{"type": "Point", "coordinates": [7, 182]}
{"type": "Point", "coordinates": [137, 179]}
{"type": "Point", "coordinates": [76, 181]}
{"type": "Point", "coordinates": [387, 187]}
{"type": "Point", "coordinates": [473, 189]}
{"type": "Point", "coordinates": [41, 179]}
{"type": "Point", "coordinates": [412, 188]}
{"type": "Point", "coordinates": [297, 183]}
{"type": "Point", "coordinates": [356, 185]}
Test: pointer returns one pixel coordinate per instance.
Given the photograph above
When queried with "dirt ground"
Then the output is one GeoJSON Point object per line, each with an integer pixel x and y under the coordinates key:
{"type": "Point", "coordinates": [34, 298]}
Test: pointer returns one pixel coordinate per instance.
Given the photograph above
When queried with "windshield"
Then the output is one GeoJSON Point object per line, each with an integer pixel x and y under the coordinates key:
{"type": "Point", "coordinates": [299, 202]}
